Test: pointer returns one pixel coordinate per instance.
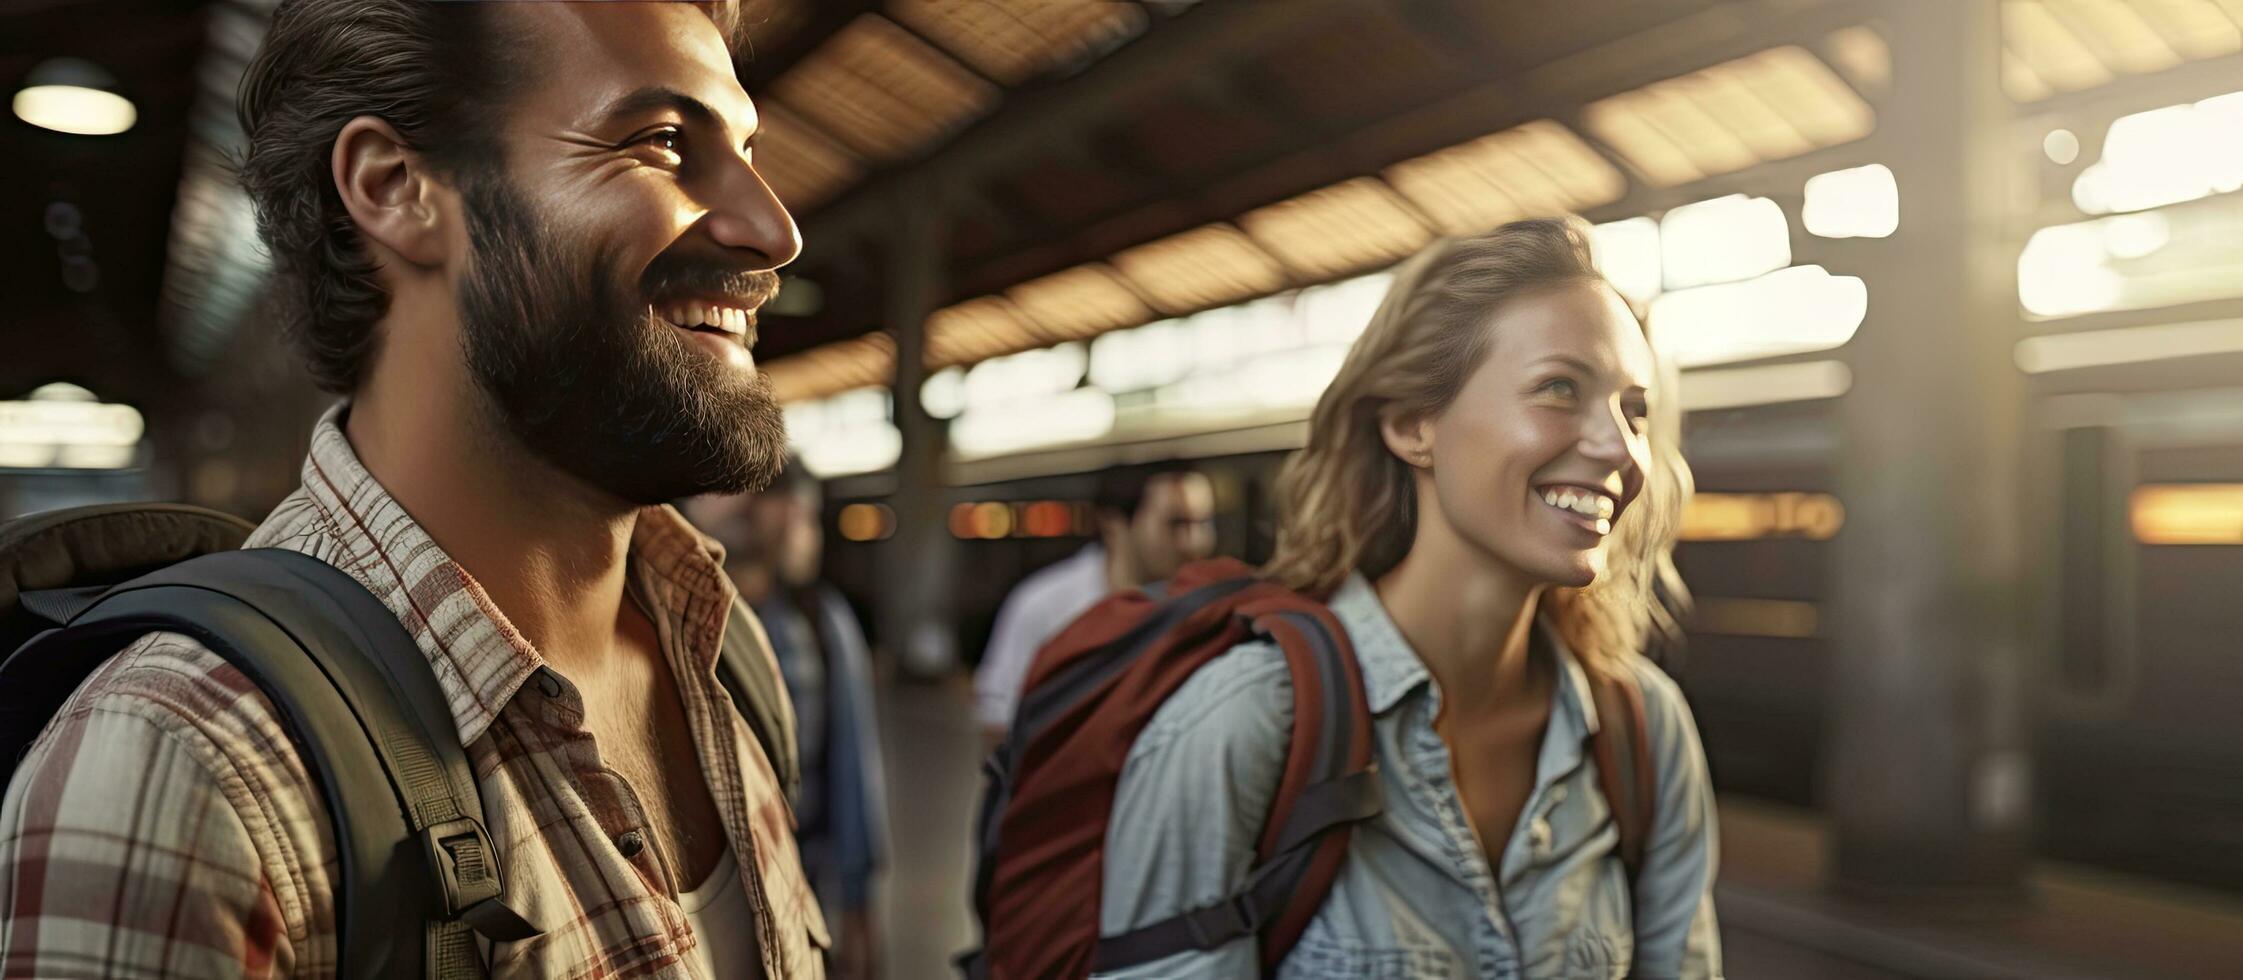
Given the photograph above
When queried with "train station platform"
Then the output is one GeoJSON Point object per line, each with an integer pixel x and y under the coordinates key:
{"type": "Point", "coordinates": [2075, 923]}
{"type": "Point", "coordinates": [1779, 920]}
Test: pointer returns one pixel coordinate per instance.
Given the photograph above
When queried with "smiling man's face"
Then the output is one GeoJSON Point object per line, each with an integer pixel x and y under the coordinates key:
{"type": "Point", "coordinates": [620, 245]}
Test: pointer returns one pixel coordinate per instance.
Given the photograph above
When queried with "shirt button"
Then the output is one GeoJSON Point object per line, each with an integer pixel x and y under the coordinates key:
{"type": "Point", "coordinates": [1557, 795]}
{"type": "Point", "coordinates": [630, 843]}
{"type": "Point", "coordinates": [548, 683]}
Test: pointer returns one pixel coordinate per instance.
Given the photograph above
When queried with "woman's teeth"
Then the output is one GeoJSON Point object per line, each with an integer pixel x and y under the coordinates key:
{"type": "Point", "coordinates": [1587, 503]}
{"type": "Point", "coordinates": [730, 319]}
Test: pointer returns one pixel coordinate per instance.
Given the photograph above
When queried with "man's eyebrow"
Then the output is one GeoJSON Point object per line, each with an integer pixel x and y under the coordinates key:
{"type": "Point", "coordinates": [654, 97]}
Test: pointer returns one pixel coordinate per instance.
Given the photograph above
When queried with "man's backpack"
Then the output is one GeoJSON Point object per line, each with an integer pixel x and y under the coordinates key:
{"type": "Point", "coordinates": [1092, 690]}
{"type": "Point", "coordinates": [355, 693]}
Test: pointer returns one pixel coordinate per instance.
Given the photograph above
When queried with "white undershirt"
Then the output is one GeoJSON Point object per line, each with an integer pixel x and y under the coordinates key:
{"type": "Point", "coordinates": [723, 922]}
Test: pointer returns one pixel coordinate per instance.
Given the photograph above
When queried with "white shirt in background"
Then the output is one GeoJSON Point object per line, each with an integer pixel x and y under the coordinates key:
{"type": "Point", "coordinates": [1038, 608]}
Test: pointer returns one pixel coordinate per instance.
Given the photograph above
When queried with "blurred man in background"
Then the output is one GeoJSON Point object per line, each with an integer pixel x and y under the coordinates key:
{"type": "Point", "coordinates": [1151, 521]}
{"type": "Point", "coordinates": [774, 544]}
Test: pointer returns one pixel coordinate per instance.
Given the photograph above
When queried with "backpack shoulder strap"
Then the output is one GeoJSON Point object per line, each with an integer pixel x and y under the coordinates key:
{"type": "Point", "coordinates": [1329, 785]}
{"type": "Point", "coordinates": [1622, 747]}
{"type": "Point", "coordinates": [746, 669]}
{"type": "Point", "coordinates": [353, 689]}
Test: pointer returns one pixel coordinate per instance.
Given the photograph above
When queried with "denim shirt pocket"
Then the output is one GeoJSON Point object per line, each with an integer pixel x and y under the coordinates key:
{"type": "Point", "coordinates": [1595, 955]}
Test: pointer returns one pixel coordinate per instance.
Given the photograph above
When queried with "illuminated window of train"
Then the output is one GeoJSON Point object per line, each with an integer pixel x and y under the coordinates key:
{"type": "Point", "coordinates": [2166, 156]}
{"type": "Point", "coordinates": [845, 434]}
{"type": "Point", "coordinates": [1776, 618]}
{"type": "Point", "coordinates": [1726, 239]}
{"type": "Point", "coordinates": [1859, 202]}
{"type": "Point", "coordinates": [866, 522]}
{"type": "Point", "coordinates": [2182, 253]}
{"type": "Point", "coordinates": [1789, 311]}
{"type": "Point", "coordinates": [2188, 514]}
{"type": "Point", "coordinates": [1760, 516]}
{"type": "Point", "coordinates": [1628, 256]}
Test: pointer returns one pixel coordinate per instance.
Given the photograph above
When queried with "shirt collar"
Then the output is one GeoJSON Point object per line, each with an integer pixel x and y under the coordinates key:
{"type": "Point", "coordinates": [343, 516]}
{"type": "Point", "coordinates": [1392, 670]}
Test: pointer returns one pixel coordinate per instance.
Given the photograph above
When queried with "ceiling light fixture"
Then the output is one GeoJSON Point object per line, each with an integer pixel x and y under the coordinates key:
{"type": "Point", "coordinates": [71, 95]}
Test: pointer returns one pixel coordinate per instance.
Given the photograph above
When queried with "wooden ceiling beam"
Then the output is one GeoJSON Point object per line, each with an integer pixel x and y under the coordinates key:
{"type": "Point", "coordinates": [1175, 50]}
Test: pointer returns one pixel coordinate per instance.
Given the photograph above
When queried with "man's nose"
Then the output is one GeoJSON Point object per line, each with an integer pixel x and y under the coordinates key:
{"type": "Point", "coordinates": [745, 215]}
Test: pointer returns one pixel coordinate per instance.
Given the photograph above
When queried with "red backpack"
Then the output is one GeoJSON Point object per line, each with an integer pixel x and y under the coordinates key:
{"type": "Point", "coordinates": [1094, 687]}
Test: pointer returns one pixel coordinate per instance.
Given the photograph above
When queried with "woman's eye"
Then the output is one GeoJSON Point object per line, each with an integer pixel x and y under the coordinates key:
{"type": "Point", "coordinates": [1561, 387]}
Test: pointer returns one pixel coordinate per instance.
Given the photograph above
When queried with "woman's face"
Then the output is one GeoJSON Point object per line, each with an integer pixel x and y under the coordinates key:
{"type": "Point", "coordinates": [1545, 446]}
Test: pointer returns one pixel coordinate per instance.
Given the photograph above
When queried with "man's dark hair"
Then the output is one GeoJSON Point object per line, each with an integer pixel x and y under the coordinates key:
{"type": "Point", "coordinates": [1121, 489]}
{"type": "Point", "coordinates": [436, 71]}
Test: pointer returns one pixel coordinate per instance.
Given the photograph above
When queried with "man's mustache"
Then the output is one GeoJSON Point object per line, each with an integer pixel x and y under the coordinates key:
{"type": "Point", "coordinates": [701, 278]}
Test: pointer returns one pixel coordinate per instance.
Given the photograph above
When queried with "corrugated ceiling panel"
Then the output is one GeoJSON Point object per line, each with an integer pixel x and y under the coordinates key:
{"type": "Point", "coordinates": [976, 330]}
{"type": "Point", "coordinates": [1207, 266]}
{"type": "Point", "coordinates": [1340, 229]}
{"type": "Point", "coordinates": [2056, 46]}
{"type": "Point", "coordinates": [1775, 104]}
{"type": "Point", "coordinates": [1537, 169]}
{"type": "Point", "coordinates": [1084, 301]}
{"type": "Point", "coordinates": [882, 92]}
{"type": "Point", "coordinates": [833, 368]}
{"type": "Point", "coordinates": [804, 167]}
{"type": "Point", "coordinates": [1013, 41]}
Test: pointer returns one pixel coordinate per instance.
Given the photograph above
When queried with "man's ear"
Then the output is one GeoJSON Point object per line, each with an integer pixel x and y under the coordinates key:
{"type": "Point", "coordinates": [1409, 436]}
{"type": "Point", "coordinates": [389, 192]}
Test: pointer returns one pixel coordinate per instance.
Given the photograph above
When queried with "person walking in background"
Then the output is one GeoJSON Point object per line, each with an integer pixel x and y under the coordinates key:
{"type": "Point", "coordinates": [1488, 488]}
{"type": "Point", "coordinates": [774, 546]}
{"type": "Point", "coordinates": [1152, 520]}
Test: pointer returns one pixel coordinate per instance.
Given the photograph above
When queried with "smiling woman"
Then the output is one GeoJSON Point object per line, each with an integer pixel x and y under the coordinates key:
{"type": "Point", "coordinates": [1488, 490]}
{"type": "Point", "coordinates": [1347, 502]}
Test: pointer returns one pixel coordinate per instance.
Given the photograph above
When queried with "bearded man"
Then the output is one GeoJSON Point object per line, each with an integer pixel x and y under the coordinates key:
{"type": "Point", "coordinates": [526, 242]}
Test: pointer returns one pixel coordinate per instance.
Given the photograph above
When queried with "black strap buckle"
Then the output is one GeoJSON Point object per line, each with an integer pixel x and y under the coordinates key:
{"type": "Point", "coordinates": [1225, 921]}
{"type": "Point", "coordinates": [466, 868]}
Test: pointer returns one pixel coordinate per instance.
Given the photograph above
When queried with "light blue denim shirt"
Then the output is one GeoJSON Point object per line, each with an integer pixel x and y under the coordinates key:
{"type": "Point", "coordinates": [1417, 897]}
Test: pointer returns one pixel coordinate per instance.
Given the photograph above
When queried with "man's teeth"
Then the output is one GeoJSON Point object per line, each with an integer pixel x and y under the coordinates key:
{"type": "Point", "coordinates": [730, 319]}
{"type": "Point", "coordinates": [1587, 503]}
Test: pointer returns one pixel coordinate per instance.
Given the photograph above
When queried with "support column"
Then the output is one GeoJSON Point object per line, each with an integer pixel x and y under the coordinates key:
{"type": "Point", "coordinates": [915, 598]}
{"type": "Point", "coordinates": [1928, 773]}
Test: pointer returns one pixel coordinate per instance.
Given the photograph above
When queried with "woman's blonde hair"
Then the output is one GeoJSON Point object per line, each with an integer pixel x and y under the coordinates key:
{"type": "Point", "coordinates": [1347, 503]}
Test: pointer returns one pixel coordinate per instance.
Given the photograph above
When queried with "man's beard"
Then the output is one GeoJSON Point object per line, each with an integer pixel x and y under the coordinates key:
{"type": "Point", "coordinates": [581, 374]}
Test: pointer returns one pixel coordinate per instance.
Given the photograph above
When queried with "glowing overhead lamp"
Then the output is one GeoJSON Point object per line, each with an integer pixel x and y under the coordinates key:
{"type": "Point", "coordinates": [71, 95]}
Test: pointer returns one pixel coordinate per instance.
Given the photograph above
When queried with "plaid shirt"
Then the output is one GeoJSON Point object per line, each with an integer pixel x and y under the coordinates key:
{"type": "Point", "coordinates": [164, 825]}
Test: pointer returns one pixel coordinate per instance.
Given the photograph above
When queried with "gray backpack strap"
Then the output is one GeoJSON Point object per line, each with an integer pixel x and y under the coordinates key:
{"type": "Point", "coordinates": [751, 676]}
{"type": "Point", "coordinates": [420, 877]}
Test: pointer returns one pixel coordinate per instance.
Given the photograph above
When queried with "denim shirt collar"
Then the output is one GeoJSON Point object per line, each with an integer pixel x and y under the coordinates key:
{"type": "Point", "coordinates": [1392, 671]}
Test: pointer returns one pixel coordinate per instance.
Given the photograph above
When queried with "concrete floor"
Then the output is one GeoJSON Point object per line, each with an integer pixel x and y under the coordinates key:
{"type": "Point", "coordinates": [934, 756]}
